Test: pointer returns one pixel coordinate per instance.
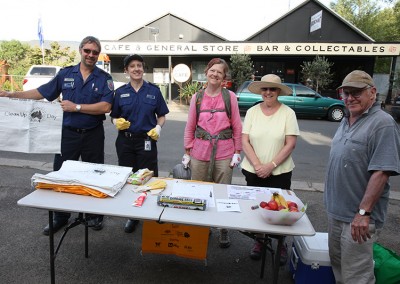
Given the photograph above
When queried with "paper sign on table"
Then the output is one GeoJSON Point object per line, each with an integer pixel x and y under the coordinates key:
{"type": "Point", "coordinates": [228, 205]}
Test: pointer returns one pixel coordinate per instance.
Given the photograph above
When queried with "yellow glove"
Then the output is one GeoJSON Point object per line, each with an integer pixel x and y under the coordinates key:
{"type": "Point", "coordinates": [155, 132]}
{"type": "Point", "coordinates": [121, 123]}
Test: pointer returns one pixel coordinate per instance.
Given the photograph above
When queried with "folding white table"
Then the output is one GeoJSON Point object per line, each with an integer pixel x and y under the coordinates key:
{"type": "Point", "coordinates": [247, 221]}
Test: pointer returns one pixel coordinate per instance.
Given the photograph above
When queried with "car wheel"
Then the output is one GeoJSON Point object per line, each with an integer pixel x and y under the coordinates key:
{"type": "Point", "coordinates": [335, 113]}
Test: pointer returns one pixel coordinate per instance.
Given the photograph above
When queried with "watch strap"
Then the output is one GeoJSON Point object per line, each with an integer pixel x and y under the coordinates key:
{"type": "Point", "coordinates": [363, 212]}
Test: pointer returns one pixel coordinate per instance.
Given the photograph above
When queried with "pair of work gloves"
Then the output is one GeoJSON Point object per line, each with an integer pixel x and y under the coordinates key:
{"type": "Point", "coordinates": [236, 159]}
{"type": "Point", "coordinates": [123, 124]}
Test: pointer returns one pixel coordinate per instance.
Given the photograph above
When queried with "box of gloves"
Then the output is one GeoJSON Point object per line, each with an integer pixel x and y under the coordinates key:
{"type": "Point", "coordinates": [140, 177]}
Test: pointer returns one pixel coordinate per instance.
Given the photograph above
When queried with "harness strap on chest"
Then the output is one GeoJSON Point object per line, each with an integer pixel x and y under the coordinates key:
{"type": "Point", "coordinates": [224, 134]}
{"type": "Point", "coordinates": [226, 98]}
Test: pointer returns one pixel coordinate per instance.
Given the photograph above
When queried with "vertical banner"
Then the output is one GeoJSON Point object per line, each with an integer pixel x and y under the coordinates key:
{"type": "Point", "coordinates": [40, 32]}
{"type": "Point", "coordinates": [316, 20]}
{"type": "Point", "coordinates": [182, 240]}
{"type": "Point", "coordinates": [30, 126]}
{"type": "Point", "coordinates": [41, 38]}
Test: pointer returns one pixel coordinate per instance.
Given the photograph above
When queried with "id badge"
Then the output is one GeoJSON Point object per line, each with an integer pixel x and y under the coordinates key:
{"type": "Point", "coordinates": [147, 145]}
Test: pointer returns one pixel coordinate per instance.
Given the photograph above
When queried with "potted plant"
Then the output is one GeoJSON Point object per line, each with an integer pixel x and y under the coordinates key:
{"type": "Point", "coordinates": [188, 90]}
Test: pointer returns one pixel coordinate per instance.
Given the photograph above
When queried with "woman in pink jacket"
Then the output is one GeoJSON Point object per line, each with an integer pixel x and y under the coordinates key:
{"type": "Point", "coordinates": [212, 138]}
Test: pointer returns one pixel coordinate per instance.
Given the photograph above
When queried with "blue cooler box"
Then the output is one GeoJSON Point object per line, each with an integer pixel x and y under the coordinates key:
{"type": "Point", "coordinates": [309, 260]}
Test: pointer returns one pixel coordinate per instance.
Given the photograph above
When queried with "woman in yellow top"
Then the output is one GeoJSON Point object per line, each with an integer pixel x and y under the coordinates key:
{"type": "Point", "coordinates": [269, 137]}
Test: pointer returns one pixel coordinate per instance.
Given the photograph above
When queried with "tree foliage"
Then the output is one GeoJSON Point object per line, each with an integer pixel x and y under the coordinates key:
{"type": "Point", "coordinates": [317, 73]}
{"type": "Point", "coordinates": [241, 68]}
{"type": "Point", "coordinates": [55, 55]}
{"type": "Point", "coordinates": [381, 24]}
{"type": "Point", "coordinates": [20, 56]}
{"type": "Point", "coordinates": [15, 53]}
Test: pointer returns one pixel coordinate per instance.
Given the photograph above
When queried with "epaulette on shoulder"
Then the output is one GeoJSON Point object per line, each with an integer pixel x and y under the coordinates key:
{"type": "Point", "coordinates": [105, 72]}
{"type": "Point", "coordinates": [150, 83]}
{"type": "Point", "coordinates": [120, 87]}
{"type": "Point", "coordinates": [67, 67]}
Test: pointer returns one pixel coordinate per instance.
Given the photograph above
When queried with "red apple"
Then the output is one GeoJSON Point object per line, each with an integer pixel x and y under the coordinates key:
{"type": "Point", "coordinates": [293, 209]}
{"type": "Point", "coordinates": [263, 204]}
{"type": "Point", "coordinates": [273, 205]}
{"type": "Point", "coordinates": [292, 204]}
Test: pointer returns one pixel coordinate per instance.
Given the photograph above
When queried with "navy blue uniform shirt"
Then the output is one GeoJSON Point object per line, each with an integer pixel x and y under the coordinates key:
{"type": "Point", "coordinates": [140, 108]}
{"type": "Point", "coordinates": [98, 87]}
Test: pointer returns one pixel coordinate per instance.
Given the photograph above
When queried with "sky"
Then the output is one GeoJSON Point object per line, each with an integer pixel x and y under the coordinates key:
{"type": "Point", "coordinates": [72, 20]}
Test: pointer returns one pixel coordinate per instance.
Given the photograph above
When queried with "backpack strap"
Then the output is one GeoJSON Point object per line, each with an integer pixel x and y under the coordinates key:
{"type": "Point", "coordinates": [199, 99]}
{"type": "Point", "coordinates": [226, 98]}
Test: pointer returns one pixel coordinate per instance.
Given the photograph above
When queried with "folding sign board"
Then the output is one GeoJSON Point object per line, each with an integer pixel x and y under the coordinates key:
{"type": "Point", "coordinates": [181, 240]}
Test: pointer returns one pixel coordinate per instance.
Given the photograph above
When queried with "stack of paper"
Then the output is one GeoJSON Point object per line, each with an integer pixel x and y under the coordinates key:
{"type": "Point", "coordinates": [108, 179]}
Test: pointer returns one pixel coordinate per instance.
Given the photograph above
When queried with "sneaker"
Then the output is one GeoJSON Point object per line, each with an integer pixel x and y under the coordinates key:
{"type": "Point", "coordinates": [283, 255]}
{"type": "Point", "coordinates": [224, 240]}
{"type": "Point", "coordinates": [256, 251]}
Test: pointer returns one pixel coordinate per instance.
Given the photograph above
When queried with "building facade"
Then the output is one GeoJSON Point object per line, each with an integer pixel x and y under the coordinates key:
{"type": "Point", "coordinates": [308, 30]}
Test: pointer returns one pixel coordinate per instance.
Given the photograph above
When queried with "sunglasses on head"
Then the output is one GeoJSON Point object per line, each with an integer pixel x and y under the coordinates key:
{"type": "Point", "coordinates": [88, 51]}
{"type": "Point", "coordinates": [270, 89]}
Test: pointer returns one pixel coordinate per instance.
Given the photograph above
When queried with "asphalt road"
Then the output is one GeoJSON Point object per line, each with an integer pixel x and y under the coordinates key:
{"type": "Point", "coordinates": [310, 156]}
{"type": "Point", "coordinates": [115, 257]}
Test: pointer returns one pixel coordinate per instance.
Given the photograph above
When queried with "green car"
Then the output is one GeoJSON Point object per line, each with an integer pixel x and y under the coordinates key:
{"type": "Point", "coordinates": [304, 101]}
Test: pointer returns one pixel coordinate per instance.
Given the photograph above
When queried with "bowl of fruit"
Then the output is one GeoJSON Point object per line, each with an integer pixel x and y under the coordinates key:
{"type": "Point", "coordinates": [278, 210]}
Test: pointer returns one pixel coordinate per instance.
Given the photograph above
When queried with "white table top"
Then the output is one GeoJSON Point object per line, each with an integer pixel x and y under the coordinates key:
{"type": "Point", "coordinates": [121, 206]}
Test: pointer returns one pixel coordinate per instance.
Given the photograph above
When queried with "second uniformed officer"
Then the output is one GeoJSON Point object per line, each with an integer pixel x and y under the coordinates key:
{"type": "Point", "coordinates": [138, 113]}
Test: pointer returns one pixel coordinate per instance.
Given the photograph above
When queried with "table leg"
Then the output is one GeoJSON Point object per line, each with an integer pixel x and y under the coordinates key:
{"type": "Point", "coordinates": [52, 255]}
{"type": "Point", "coordinates": [86, 241]}
{"type": "Point", "coordinates": [263, 256]}
{"type": "Point", "coordinates": [276, 264]}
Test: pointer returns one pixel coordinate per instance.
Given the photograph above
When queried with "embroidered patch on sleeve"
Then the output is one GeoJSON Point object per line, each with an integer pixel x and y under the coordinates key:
{"type": "Point", "coordinates": [110, 85]}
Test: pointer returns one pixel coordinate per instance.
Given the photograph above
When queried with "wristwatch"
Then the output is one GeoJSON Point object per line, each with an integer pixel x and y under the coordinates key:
{"type": "Point", "coordinates": [78, 108]}
{"type": "Point", "coordinates": [362, 212]}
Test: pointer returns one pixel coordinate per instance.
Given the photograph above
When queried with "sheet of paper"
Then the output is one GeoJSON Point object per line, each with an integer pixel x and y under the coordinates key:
{"type": "Point", "coordinates": [228, 205]}
{"type": "Point", "coordinates": [30, 126]}
{"type": "Point", "coordinates": [248, 192]}
{"type": "Point", "coordinates": [195, 190]}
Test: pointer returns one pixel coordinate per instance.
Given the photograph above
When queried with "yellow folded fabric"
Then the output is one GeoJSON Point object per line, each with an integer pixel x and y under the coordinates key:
{"type": "Point", "coordinates": [74, 189]}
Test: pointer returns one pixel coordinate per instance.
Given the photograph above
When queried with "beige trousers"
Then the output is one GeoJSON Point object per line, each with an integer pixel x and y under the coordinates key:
{"type": "Point", "coordinates": [222, 172]}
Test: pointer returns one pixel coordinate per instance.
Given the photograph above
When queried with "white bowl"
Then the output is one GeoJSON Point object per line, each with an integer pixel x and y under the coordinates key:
{"type": "Point", "coordinates": [280, 217]}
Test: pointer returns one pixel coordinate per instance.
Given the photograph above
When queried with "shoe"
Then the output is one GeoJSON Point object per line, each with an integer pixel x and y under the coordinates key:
{"type": "Point", "coordinates": [256, 251]}
{"type": "Point", "coordinates": [130, 226]}
{"type": "Point", "coordinates": [96, 223]}
{"type": "Point", "coordinates": [224, 240]}
{"type": "Point", "coordinates": [57, 225]}
{"type": "Point", "coordinates": [283, 255]}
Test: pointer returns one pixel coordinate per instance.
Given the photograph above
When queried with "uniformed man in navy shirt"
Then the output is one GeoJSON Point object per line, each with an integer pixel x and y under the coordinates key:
{"type": "Point", "coordinates": [87, 94]}
{"type": "Point", "coordinates": [138, 113]}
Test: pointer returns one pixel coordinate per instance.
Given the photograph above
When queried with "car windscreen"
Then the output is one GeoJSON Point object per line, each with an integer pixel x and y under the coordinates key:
{"type": "Point", "coordinates": [46, 71]}
{"type": "Point", "coordinates": [302, 91]}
